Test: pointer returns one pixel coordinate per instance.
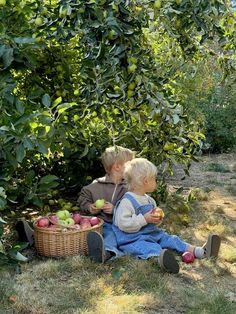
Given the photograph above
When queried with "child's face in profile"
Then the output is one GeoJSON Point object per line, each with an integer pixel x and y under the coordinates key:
{"type": "Point", "coordinates": [150, 184]}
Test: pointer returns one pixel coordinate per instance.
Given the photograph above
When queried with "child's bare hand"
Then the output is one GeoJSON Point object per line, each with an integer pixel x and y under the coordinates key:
{"type": "Point", "coordinates": [108, 208]}
{"type": "Point", "coordinates": [150, 217]}
{"type": "Point", "coordinates": [94, 210]}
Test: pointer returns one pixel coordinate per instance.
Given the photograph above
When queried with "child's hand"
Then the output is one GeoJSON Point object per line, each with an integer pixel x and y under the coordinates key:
{"type": "Point", "coordinates": [108, 208]}
{"type": "Point", "coordinates": [150, 217]}
{"type": "Point", "coordinates": [93, 209]}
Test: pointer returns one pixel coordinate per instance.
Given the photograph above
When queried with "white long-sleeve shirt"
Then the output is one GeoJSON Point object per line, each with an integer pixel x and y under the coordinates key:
{"type": "Point", "coordinates": [125, 217]}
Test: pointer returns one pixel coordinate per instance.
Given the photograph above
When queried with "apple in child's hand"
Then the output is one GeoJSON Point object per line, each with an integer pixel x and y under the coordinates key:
{"type": "Point", "coordinates": [43, 222]}
{"type": "Point", "coordinates": [77, 218]}
{"type": "Point", "coordinates": [99, 203]}
{"type": "Point", "coordinates": [188, 257]}
{"type": "Point", "coordinates": [94, 221]}
{"type": "Point", "coordinates": [158, 213]}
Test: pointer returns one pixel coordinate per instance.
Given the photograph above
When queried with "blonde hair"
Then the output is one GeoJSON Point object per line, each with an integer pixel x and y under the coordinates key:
{"type": "Point", "coordinates": [138, 169]}
{"type": "Point", "coordinates": [116, 154]}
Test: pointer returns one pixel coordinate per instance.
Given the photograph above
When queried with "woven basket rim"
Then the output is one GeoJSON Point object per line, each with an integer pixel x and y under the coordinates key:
{"type": "Point", "coordinates": [70, 229]}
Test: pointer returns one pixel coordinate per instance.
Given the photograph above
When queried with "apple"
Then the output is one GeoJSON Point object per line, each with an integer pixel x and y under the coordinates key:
{"type": "Point", "coordinates": [77, 218]}
{"type": "Point", "coordinates": [132, 68]}
{"type": "Point", "coordinates": [62, 222]}
{"type": "Point", "coordinates": [99, 203]}
{"type": "Point", "coordinates": [94, 221]}
{"type": "Point", "coordinates": [85, 220]}
{"type": "Point", "coordinates": [70, 221]}
{"type": "Point", "coordinates": [54, 219]}
{"type": "Point", "coordinates": [85, 225]}
{"type": "Point", "coordinates": [38, 21]}
{"type": "Point", "coordinates": [51, 202]}
{"type": "Point", "coordinates": [157, 4]}
{"type": "Point", "coordinates": [63, 214]}
{"type": "Point", "coordinates": [188, 257]}
{"type": "Point", "coordinates": [43, 222]}
{"type": "Point", "coordinates": [159, 213]}
{"type": "Point", "coordinates": [2, 3]}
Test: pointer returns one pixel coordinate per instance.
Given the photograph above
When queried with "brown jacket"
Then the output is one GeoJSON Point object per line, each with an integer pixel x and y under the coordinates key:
{"type": "Point", "coordinates": [101, 188]}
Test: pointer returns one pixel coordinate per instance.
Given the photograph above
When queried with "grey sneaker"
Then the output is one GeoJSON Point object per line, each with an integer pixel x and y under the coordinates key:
{"type": "Point", "coordinates": [25, 232]}
{"type": "Point", "coordinates": [212, 246]}
{"type": "Point", "coordinates": [168, 262]}
{"type": "Point", "coordinates": [96, 249]}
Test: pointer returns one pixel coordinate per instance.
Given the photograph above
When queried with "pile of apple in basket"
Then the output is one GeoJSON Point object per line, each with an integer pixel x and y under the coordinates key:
{"type": "Point", "coordinates": [66, 220]}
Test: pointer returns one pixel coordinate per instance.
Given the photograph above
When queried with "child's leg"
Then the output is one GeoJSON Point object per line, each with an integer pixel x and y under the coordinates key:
{"type": "Point", "coordinates": [110, 242]}
{"type": "Point", "coordinates": [173, 242]}
{"type": "Point", "coordinates": [145, 249]}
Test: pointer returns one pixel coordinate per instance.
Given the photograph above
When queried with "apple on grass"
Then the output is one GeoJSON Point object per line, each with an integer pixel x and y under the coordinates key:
{"type": "Point", "coordinates": [99, 203]}
{"type": "Point", "coordinates": [188, 257]}
{"type": "Point", "coordinates": [43, 222]}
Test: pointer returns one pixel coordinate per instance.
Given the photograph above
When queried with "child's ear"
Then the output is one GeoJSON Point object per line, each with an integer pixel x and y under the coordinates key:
{"type": "Point", "coordinates": [116, 166]}
{"type": "Point", "coordinates": [145, 180]}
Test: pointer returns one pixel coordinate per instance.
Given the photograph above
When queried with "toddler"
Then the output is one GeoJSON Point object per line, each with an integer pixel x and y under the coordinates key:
{"type": "Point", "coordinates": [136, 219]}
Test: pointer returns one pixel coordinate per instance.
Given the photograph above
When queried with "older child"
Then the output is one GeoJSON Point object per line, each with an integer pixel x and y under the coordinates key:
{"type": "Point", "coordinates": [111, 188]}
{"type": "Point", "coordinates": [136, 217]}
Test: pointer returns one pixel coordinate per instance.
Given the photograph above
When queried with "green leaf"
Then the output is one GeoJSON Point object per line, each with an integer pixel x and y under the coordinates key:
{"type": "Point", "coordinates": [48, 179]}
{"type": "Point", "coordinates": [3, 203]}
{"type": "Point", "coordinates": [63, 107]}
{"type": "Point", "coordinates": [18, 256]}
{"type": "Point", "coordinates": [2, 221]}
{"type": "Point", "coordinates": [175, 118]}
{"type": "Point", "coordinates": [8, 57]}
{"type": "Point", "coordinates": [20, 153]}
{"type": "Point", "coordinates": [57, 101]}
{"type": "Point", "coordinates": [24, 40]}
{"type": "Point", "coordinates": [46, 100]}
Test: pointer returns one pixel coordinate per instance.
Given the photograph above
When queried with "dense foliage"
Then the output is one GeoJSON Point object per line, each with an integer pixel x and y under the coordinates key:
{"type": "Point", "coordinates": [77, 76]}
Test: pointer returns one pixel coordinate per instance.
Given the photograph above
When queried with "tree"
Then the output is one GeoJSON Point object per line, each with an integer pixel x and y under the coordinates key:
{"type": "Point", "coordinates": [80, 75]}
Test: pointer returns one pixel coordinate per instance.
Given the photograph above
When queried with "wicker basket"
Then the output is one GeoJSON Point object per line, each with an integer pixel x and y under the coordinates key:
{"type": "Point", "coordinates": [63, 241]}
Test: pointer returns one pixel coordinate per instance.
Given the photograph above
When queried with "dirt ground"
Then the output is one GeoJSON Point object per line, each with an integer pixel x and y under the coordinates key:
{"type": "Point", "coordinates": [221, 206]}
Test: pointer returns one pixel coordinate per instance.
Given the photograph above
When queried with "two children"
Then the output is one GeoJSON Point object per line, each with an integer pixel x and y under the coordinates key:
{"type": "Point", "coordinates": [136, 217]}
{"type": "Point", "coordinates": [111, 188]}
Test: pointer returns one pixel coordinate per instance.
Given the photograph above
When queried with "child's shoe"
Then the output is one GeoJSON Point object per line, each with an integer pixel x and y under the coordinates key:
{"type": "Point", "coordinates": [212, 246]}
{"type": "Point", "coordinates": [168, 262]}
{"type": "Point", "coordinates": [25, 232]}
{"type": "Point", "coordinates": [96, 250]}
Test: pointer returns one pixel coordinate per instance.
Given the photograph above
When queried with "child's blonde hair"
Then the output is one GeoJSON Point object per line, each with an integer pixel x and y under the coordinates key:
{"type": "Point", "coordinates": [138, 169]}
{"type": "Point", "coordinates": [116, 154]}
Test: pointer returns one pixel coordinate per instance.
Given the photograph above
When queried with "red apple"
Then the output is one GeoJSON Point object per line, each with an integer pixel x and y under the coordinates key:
{"type": "Point", "coordinates": [94, 221]}
{"type": "Point", "coordinates": [77, 218]}
{"type": "Point", "coordinates": [85, 220]}
{"type": "Point", "coordinates": [43, 222]}
{"type": "Point", "coordinates": [188, 257]}
{"type": "Point", "coordinates": [54, 219]}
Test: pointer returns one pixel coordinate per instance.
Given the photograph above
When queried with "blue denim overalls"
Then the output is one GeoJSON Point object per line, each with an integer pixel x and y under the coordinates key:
{"type": "Point", "coordinates": [149, 240]}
